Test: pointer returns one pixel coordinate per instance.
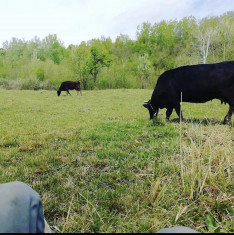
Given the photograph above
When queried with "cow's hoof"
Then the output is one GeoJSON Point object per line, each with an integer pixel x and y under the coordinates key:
{"type": "Point", "coordinates": [226, 122]}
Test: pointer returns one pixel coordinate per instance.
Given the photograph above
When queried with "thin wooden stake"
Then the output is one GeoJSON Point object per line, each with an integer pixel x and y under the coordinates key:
{"type": "Point", "coordinates": [181, 163]}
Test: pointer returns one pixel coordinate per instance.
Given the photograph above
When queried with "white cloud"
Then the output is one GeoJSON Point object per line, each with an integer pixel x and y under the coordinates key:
{"type": "Point", "coordinates": [81, 20]}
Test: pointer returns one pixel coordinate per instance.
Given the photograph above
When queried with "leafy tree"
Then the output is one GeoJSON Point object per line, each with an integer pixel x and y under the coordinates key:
{"type": "Point", "coordinates": [2, 68]}
{"type": "Point", "coordinates": [97, 60]}
{"type": "Point", "coordinates": [226, 29]}
{"type": "Point", "coordinates": [205, 36]}
{"type": "Point", "coordinates": [144, 38]}
{"type": "Point", "coordinates": [80, 56]}
{"type": "Point", "coordinates": [52, 48]}
{"type": "Point", "coordinates": [143, 69]}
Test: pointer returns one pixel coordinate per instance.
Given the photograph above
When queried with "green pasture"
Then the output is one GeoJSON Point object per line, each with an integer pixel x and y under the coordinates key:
{"type": "Point", "coordinates": [100, 165]}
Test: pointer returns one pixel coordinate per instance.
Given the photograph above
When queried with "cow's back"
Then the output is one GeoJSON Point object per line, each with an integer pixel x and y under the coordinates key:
{"type": "Point", "coordinates": [69, 85]}
{"type": "Point", "coordinates": [198, 83]}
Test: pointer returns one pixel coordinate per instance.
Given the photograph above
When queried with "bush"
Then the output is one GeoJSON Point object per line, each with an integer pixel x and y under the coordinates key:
{"type": "Point", "coordinates": [33, 83]}
{"type": "Point", "coordinates": [14, 84]}
{"type": "Point", "coordinates": [30, 83]}
{"type": "Point", "coordinates": [3, 83]}
{"type": "Point", "coordinates": [3, 72]}
{"type": "Point", "coordinates": [40, 74]}
{"type": "Point", "coordinates": [10, 84]}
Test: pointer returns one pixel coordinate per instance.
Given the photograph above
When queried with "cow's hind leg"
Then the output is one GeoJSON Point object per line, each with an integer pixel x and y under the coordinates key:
{"type": "Point", "coordinates": [168, 113]}
{"type": "Point", "coordinates": [77, 92]}
{"type": "Point", "coordinates": [179, 112]}
{"type": "Point", "coordinates": [228, 117]}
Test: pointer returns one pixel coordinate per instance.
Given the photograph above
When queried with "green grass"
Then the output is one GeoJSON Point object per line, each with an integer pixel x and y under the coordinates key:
{"type": "Point", "coordinates": [100, 165]}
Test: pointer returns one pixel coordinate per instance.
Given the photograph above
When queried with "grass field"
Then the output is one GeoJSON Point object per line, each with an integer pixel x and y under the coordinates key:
{"type": "Point", "coordinates": [100, 165]}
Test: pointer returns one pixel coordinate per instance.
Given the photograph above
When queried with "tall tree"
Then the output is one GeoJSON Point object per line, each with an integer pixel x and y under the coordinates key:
{"type": "Point", "coordinates": [80, 56]}
{"type": "Point", "coordinates": [98, 59]}
{"type": "Point", "coordinates": [226, 29]}
{"type": "Point", "coordinates": [143, 69]}
{"type": "Point", "coordinates": [52, 48]}
{"type": "Point", "coordinates": [205, 35]}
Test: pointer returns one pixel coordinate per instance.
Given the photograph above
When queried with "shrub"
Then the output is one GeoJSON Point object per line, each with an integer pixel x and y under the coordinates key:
{"type": "Point", "coordinates": [40, 74]}
{"type": "Point", "coordinates": [31, 83]}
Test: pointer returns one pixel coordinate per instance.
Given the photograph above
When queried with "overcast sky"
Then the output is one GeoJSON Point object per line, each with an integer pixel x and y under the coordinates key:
{"type": "Point", "coordinates": [75, 21]}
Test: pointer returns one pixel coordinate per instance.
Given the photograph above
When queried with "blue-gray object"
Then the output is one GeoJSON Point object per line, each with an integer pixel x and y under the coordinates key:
{"type": "Point", "coordinates": [179, 229]}
{"type": "Point", "coordinates": [21, 209]}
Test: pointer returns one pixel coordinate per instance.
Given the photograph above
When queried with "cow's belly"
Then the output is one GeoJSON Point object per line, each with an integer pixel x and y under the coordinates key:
{"type": "Point", "coordinates": [198, 97]}
{"type": "Point", "coordinates": [197, 100]}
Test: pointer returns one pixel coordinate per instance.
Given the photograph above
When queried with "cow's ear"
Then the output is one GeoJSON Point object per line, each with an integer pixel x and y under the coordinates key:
{"type": "Point", "coordinates": [146, 105]}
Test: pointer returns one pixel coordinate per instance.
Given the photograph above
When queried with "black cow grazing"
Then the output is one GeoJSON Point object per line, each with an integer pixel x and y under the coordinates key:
{"type": "Point", "coordinates": [69, 85]}
{"type": "Point", "coordinates": [196, 84]}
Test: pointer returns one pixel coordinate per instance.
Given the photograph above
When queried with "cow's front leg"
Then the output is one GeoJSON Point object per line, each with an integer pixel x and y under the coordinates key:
{"type": "Point", "coordinates": [168, 113]}
{"type": "Point", "coordinates": [179, 112]}
{"type": "Point", "coordinates": [228, 117]}
{"type": "Point", "coordinates": [68, 92]}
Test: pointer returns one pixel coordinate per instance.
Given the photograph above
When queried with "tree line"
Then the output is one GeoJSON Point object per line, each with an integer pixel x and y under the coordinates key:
{"type": "Point", "coordinates": [122, 63]}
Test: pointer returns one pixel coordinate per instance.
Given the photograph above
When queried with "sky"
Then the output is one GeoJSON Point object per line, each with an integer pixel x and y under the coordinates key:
{"type": "Point", "coordinates": [75, 21]}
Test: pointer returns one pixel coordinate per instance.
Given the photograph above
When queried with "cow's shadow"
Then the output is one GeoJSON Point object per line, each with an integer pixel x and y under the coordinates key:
{"type": "Point", "coordinates": [205, 121]}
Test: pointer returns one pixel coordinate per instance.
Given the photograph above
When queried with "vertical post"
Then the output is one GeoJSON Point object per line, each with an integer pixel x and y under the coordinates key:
{"type": "Point", "coordinates": [181, 162]}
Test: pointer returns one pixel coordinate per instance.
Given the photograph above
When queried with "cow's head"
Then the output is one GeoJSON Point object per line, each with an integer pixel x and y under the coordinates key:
{"type": "Point", "coordinates": [153, 112]}
{"type": "Point", "coordinates": [58, 92]}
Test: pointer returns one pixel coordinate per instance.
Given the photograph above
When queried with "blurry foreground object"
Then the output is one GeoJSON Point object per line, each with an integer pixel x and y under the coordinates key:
{"type": "Point", "coordinates": [21, 210]}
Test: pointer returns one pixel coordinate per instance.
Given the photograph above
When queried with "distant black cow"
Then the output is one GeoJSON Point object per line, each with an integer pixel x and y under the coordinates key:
{"type": "Point", "coordinates": [69, 85]}
{"type": "Point", "coordinates": [195, 84]}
